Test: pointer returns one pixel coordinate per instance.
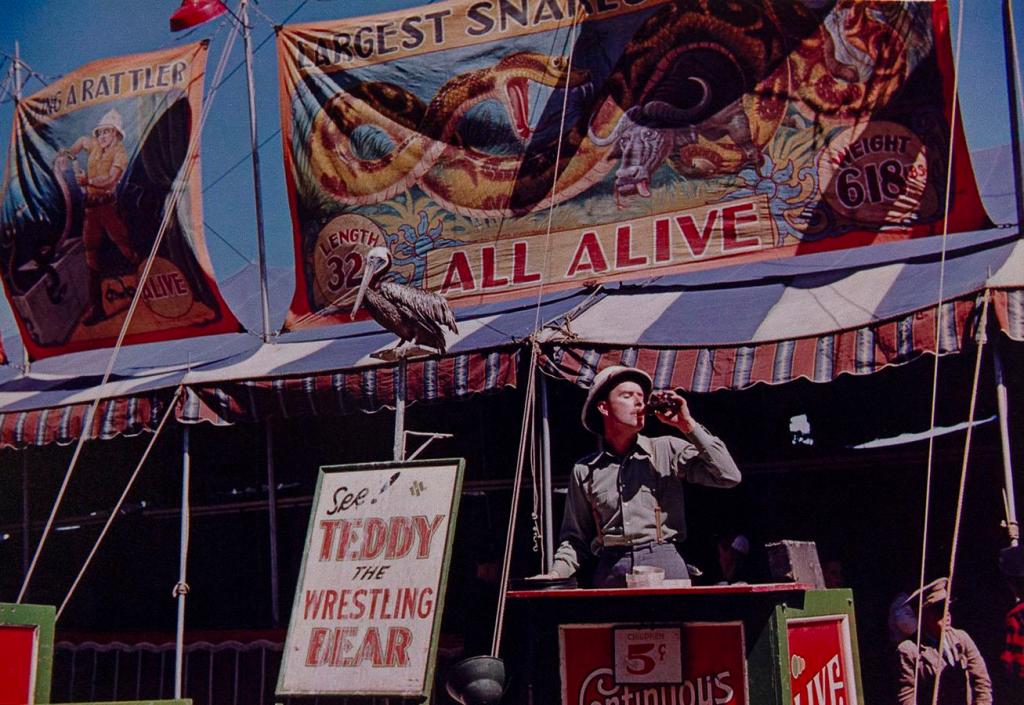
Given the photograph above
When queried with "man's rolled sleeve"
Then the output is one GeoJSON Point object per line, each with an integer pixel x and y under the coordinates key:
{"type": "Point", "coordinates": [712, 464]}
{"type": "Point", "coordinates": [907, 673]}
{"type": "Point", "coordinates": [977, 672]}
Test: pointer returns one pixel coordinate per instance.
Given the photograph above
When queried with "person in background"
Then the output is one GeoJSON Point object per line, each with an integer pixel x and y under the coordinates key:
{"type": "Point", "coordinates": [833, 573]}
{"type": "Point", "coordinates": [625, 501]}
{"type": "Point", "coordinates": [733, 552]}
{"type": "Point", "coordinates": [902, 620]}
{"type": "Point", "coordinates": [1011, 563]}
{"type": "Point", "coordinates": [947, 658]}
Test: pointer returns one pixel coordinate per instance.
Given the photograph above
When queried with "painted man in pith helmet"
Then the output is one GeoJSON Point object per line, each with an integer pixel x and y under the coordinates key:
{"type": "Point", "coordinates": [107, 163]}
{"type": "Point", "coordinates": [625, 502]}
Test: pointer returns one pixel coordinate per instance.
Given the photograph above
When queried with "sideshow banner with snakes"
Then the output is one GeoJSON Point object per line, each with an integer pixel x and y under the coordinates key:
{"type": "Point", "coordinates": [100, 161]}
{"type": "Point", "coordinates": [498, 146]}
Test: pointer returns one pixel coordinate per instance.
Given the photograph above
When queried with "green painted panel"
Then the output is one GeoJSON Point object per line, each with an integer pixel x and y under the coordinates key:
{"type": "Point", "coordinates": [42, 616]}
{"type": "Point", "coordinates": [764, 676]}
{"type": "Point", "coordinates": [815, 603]}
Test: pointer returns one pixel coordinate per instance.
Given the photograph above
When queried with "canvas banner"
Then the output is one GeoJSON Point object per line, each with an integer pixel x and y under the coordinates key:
{"type": "Point", "coordinates": [98, 161]}
{"type": "Point", "coordinates": [498, 146]}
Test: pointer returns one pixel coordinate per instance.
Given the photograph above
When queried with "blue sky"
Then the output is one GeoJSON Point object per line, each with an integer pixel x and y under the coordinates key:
{"type": "Point", "coordinates": [56, 36]}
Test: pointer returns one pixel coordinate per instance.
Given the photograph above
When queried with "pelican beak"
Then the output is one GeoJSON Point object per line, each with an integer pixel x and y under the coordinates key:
{"type": "Point", "coordinates": [363, 285]}
{"type": "Point", "coordinates": [374, 264]}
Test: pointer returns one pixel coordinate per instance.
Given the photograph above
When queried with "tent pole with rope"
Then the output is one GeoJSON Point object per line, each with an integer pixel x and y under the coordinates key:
{"type": "Point", "coordinates": [1009, 494]}
{"type": "Point", "coordinates": [246, 30]}
{"type": "Point", "coordinates": [243, 19]}
{"type": "Point", "coordinates": [546, 486]}
{"type": "Point", "coordinates": [181, 587]}
{"type": "Point", "coordinates": [1014, 96]}
{"type": "Point", "coordinates": [275, 587]}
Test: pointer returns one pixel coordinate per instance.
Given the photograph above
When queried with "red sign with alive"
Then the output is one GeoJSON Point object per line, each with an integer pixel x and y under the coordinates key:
{"type": "Point", "coordinates": [821, 661]}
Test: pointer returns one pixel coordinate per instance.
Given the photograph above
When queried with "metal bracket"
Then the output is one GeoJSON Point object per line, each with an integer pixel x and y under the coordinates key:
{"type": "Point", "coordinates": [429, 436]}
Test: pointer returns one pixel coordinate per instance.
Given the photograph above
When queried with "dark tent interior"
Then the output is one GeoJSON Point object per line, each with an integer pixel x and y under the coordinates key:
{"type": "Point", "coordinates": [863, 507]}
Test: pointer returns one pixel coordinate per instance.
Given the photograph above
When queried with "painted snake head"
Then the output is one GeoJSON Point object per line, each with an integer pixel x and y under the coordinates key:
{"type": "Point", "coordinates": [514, 74]}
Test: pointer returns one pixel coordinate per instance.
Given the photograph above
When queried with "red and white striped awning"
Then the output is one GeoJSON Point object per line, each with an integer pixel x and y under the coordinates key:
{"type": "Point", "coordinates": [814, 317]}
{"type": "Point", "coordinates": [823, 316]}
{"type": "Point", "coordinates": [819, 358]}
{"type": "Point", "coordinates": [123, 416]}
{"type": "Point", "coordinates": [453, 377]}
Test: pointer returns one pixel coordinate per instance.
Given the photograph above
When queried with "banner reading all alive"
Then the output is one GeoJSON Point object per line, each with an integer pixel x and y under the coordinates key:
{"type": "Point", "coordinates": [494, 146]}
{"type": "Point", "coordinates": [99, 159]}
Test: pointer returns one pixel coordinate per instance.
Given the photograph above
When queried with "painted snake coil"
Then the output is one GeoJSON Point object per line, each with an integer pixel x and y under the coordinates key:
{"type": "Point", "coordinates": [424, 138]}
{"type": "Point", "coordinates": [708, 81]}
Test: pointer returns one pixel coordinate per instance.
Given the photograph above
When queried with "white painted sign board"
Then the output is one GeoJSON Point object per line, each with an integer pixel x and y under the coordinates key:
{"type": "Point", "coordinates": [367, 610]}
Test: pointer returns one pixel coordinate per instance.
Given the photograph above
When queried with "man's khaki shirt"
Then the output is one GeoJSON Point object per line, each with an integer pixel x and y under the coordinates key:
{"type": "Point", "coordinates": [963, 676]}
{"type": "Point", "coordinates": [616, 501]}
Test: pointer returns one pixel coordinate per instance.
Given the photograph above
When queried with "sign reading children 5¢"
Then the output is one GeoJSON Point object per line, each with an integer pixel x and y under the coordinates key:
{"type": "Point", "coordinates": [651, 655]}
{"type": "Point", "coordinates": [876, 172]}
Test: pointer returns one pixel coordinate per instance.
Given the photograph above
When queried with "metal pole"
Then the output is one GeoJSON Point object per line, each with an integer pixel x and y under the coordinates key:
{"type": "Point", "coordinates": [1013, 95]}
{"type": "Point", "coordinates": [26, 533]}
{"type": "Point", "coordinates": [26, 362]}
{"type": "Point", "coordinates": [545, 476]}
{"type": "Point", "coordinates": [275, 597]}
{"type": "Point", "coordinates": [1004, 438]}
{"type": "Point", "coordinates": [17, 73]}
{"type": "Point", "coordinates": [25, 528]}
{"type": "Point", "coordinates": [181, 589]}
{"type": "Point", "coordinates": [256, 183]}
{"type": "Point", "coordinates": [399, 442]}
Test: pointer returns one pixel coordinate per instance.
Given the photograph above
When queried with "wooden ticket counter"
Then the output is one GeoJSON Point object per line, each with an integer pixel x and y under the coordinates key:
{"type": "Point", "coordinates": [763, 644]}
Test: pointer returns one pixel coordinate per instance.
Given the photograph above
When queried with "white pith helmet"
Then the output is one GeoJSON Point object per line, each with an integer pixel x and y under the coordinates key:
{"type": "Point", "coordinates": [111, 119]}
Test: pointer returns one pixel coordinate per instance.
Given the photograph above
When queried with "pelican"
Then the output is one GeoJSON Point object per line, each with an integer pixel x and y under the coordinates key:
{"type": "Point", "coordinates": [414, 315]}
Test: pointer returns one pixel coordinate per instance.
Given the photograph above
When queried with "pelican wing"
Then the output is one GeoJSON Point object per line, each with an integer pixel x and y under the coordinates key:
{"type": "Point", "coordinates": [425, 307]}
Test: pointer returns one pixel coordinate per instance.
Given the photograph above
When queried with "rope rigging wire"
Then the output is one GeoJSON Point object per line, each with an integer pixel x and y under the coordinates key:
{"type": "Point", "coordinates": [537, 517]}
{"type": "Point", "coordinates": [239, 65]}
{"type": "Point", "coordinates": [527, 433]}
{"type": "Point", "coordinates": [124, 495]}
{"type": "Point", "coordinates": [5, 87]}
{"type": "Point", "coordinates": [169, 210]}
{"type": "Point", "coordinates": [245, 157]}
{"type": "Point", "coordinates": [1016, 110]}
{"type": "Point", "coordinates": [524, 432]}
{"type": "Point", "coordinates": [939, 325]}
{"type": "Point", "coordinates": [43, 79]}
{"type": "Point", "coordinates": [981, 338]}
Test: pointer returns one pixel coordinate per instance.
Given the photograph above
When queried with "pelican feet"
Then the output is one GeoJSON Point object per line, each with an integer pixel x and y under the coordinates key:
{"type": "Point", "coordinates": [405, 349]}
